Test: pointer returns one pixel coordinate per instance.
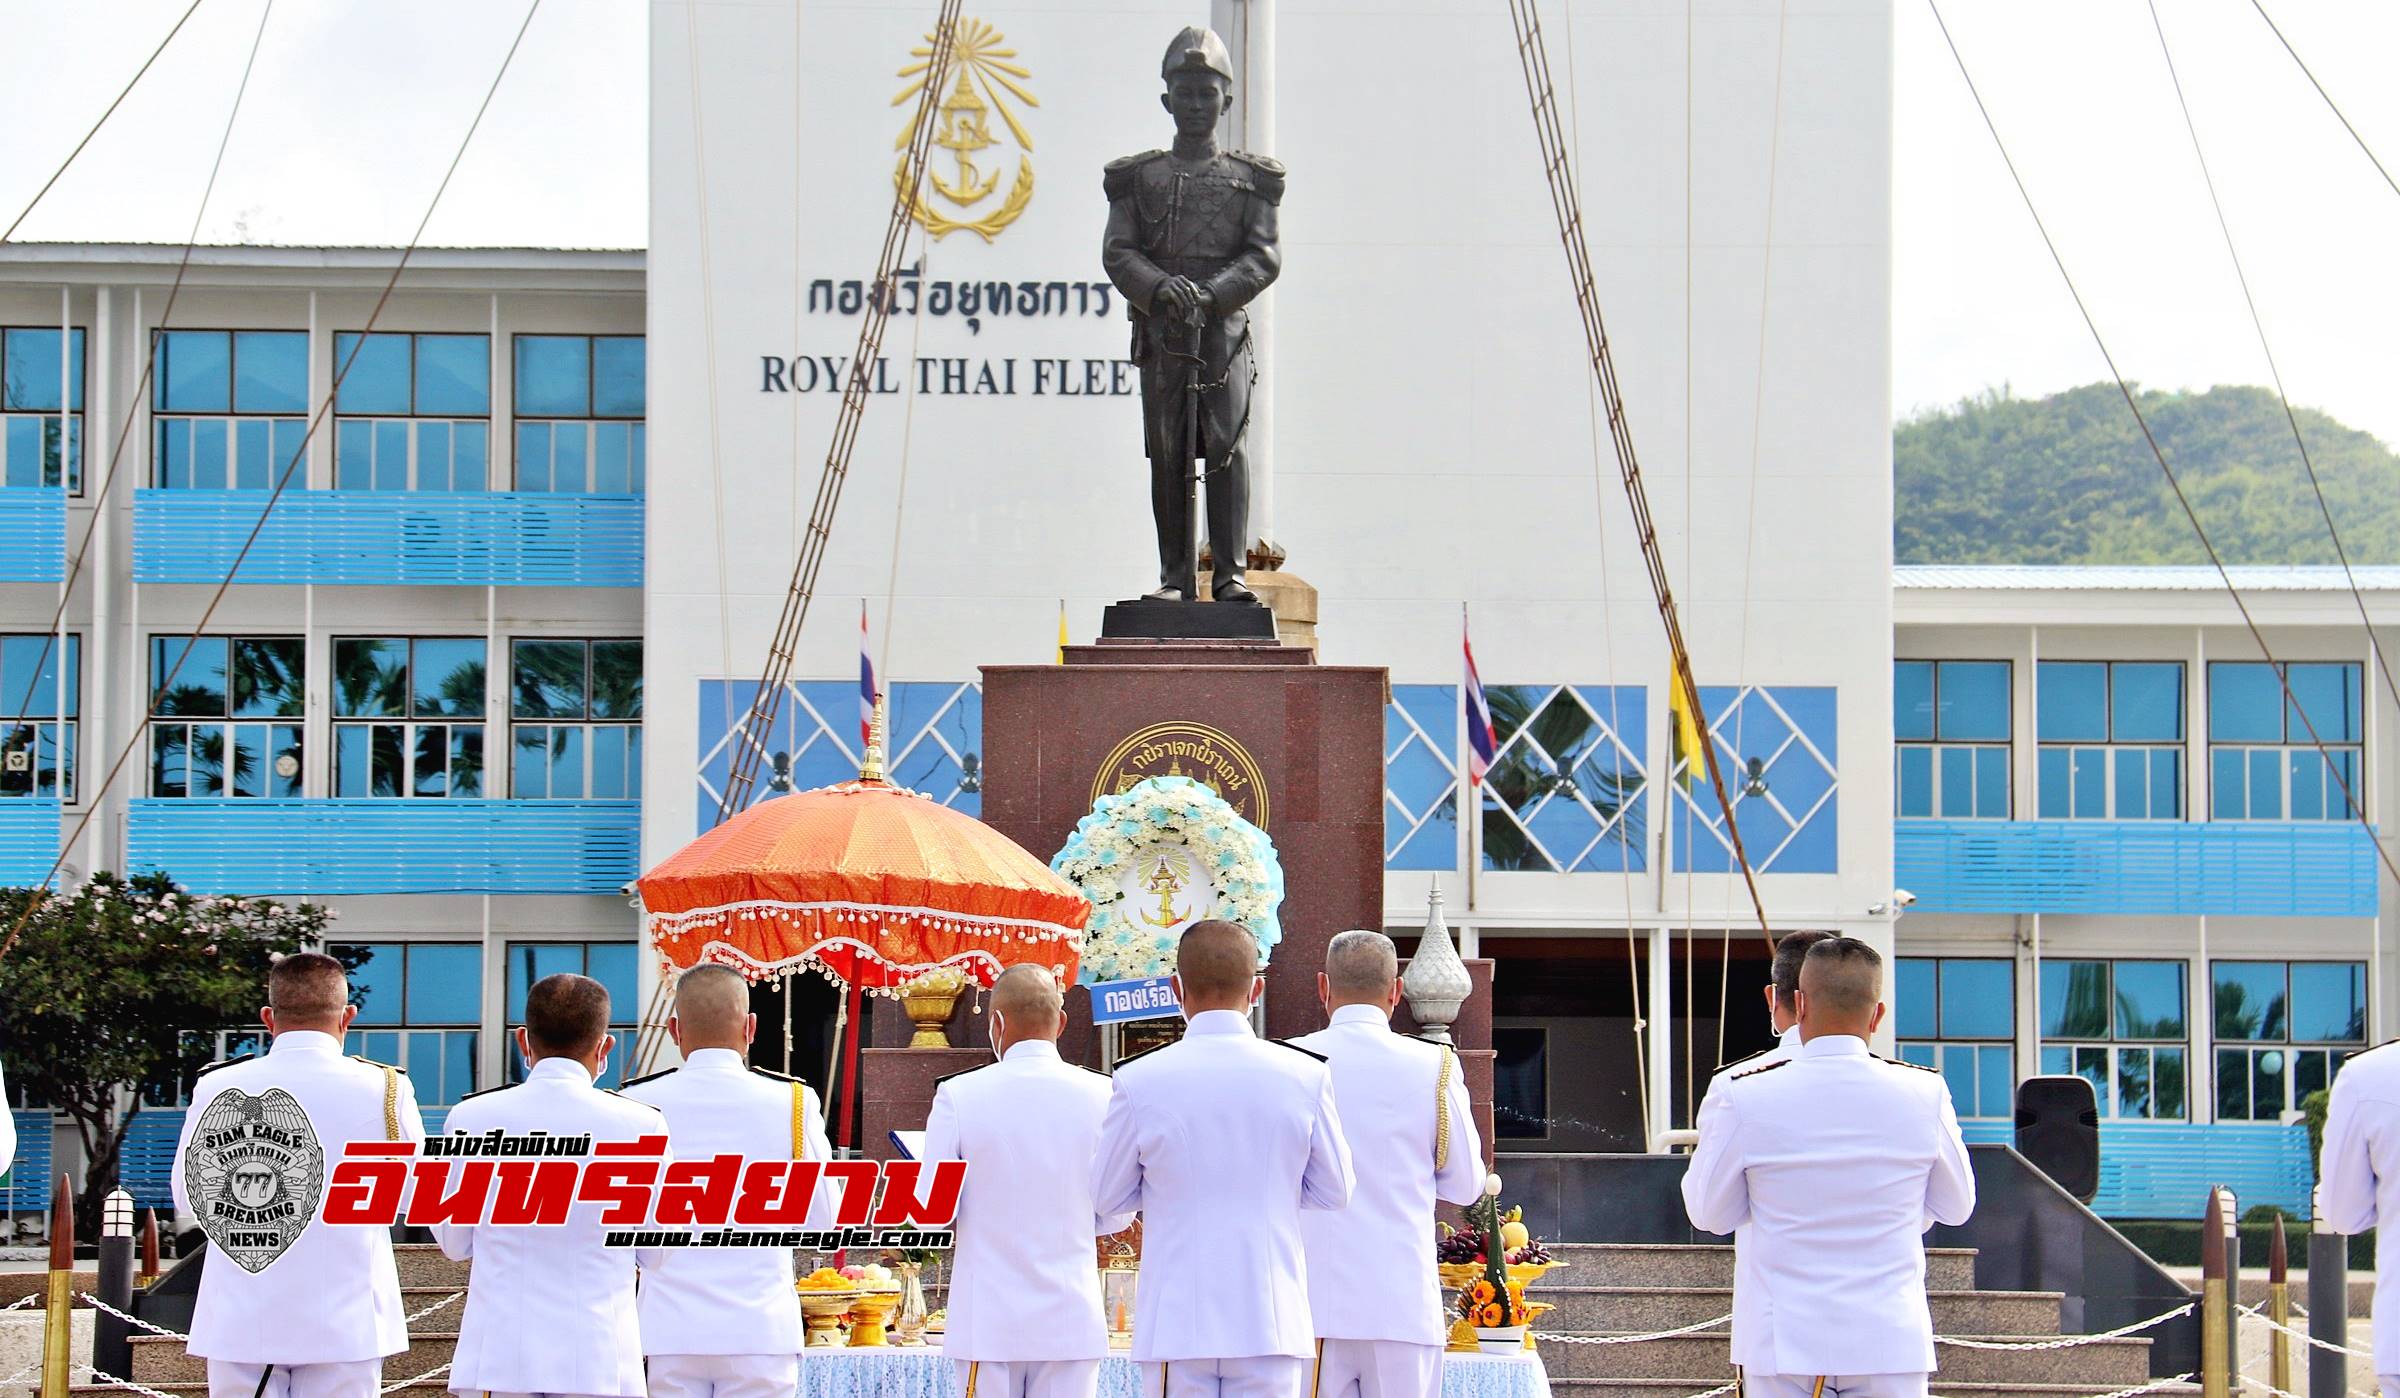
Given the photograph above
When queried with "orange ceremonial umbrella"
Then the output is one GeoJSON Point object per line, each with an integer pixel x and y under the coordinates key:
{"type": "Point", "coordinates": [873, 884]}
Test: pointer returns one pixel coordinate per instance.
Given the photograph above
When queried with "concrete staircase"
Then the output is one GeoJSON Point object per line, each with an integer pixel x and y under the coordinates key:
{"type": "Point", "coordinates": [425, 1277]}
{"type": "Point", "coordinates": [1636, 1289]}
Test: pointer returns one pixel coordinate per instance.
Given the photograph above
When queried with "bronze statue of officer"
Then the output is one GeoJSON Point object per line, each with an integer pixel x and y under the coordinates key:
{"type": "Point", "coordinates": [1191, 241]}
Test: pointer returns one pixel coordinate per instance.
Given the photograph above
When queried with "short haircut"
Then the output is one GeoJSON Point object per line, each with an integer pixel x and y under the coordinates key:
{"type": "Point", "coordinates": [1028, 996]}
{"type": "Point", "coordinates": [1844, 975]}
{"type": "Point", "coordinates": [308, 987]}
{"type": "Point", "coordinates": [1217, 960]}
{"type": "Point", "coordinates": [1361, 963]}
{"type": "Point", "coordinates": [710, 1001]}
{"type": "Point", "coordinates": [1790, 950]}
{"type": "Point", "coordinates": [566, 1015]}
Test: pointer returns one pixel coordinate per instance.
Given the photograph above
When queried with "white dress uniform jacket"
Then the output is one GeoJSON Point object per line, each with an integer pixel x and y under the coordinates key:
{"type": "Point", "coordinates": [550, 1309]}
{"type": "Point", "coordinates": [334, 1296]}
{"type": "Point", "coordinates": [1831, 1163]}
{"type": "Point", "coordinates": [727, 1300]}
{"type": "Point", "coordinates": [8, 1132]}
{"type": "Point", "coordinates": [1221, 1139]}
{"type": "Point", "coordinates": [1024, 1282]}
{"type": "Point", "coordinates": [1371, 1263]}
{"type": "Point", "coordinates": [2359, 1184]}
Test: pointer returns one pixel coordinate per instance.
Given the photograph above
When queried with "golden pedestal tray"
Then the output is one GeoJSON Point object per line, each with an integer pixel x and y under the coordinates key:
{"type": "Point", "coordinates": [870, 1313]}
{"type": "Point", "coordinates": [823, 1313]}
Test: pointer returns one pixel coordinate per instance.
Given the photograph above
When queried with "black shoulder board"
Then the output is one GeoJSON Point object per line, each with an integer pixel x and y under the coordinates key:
{"type": "Point", "coordinates": [767, 1073]}
{"type": "Point", "coordinates": [1286, 1043]}
{"type": "Point", "coordinates": [646, 1077]}
{"type": "Point", "coordinates": [1093, 1071]}
{"type": "Point", "coordinates": [386, 1067]}
{"type": "Point", "coordinates": [646, 1106]}
{"type": "Point", "coordinates": [1116, 177]}
{"type": "Point", "coordinates": [488, 1091]}
{"type": "Point", "coordinates": [225, 1063]}
{"type": "Point", "coordinates": [1745, 1058]}
{"type": "Point", "coordinates": [1762, 1068]}
{"type": "Point", "coordinates": [1266, 175]}
{"type": "Point", "coordinates": [1145, 1053]}
{"type": "Point", "coordinates": [1904, 1063]}
{"type": "Point", "coordinates": [953, 1077]}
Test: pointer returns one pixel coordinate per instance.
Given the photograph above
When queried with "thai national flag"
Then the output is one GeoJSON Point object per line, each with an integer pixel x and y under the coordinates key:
{"type": "Point", "coordinates": [866, 681]}
{"type": "Point", "coordinates": [1481, 743]}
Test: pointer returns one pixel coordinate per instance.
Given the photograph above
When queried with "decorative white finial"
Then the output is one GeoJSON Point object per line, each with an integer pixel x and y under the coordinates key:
{"type": "Point", "coordinates": [1436, 982]}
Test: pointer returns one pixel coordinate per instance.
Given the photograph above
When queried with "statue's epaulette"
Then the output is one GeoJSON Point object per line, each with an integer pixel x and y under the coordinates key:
{"type": "Point", "coordinates": [771, 1073]}
{"type": "Point", "coordinates": [1762, 1068]}
{"type": "Point", "coordinates": [953, 1077]}
{"type": "Point", "coordinates": [1904, 1063]}
{"type": "Point", "coordinates": [1266, 176]}
{"type": "Point", "coordinates": [1286, 1043]}
{"type": "Point", "coordinates": [487, 1091]}
{"type": "Point", "coordinates": [646, 1077]}
{"type": "Point", "coordinates": [225, 1063]}
{"type": "Point", "coordinates": [1116, 177]}
{"type": "Point", "coordinates": [377, 1065]}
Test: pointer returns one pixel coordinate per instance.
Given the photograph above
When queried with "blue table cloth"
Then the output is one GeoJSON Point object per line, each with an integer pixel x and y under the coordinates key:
{"type": "Point", "coordinates": [926, 1373]}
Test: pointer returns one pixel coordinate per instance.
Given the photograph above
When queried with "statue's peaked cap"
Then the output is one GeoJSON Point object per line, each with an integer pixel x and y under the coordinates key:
{"type": "Point", "coordinates": [1197, 47]}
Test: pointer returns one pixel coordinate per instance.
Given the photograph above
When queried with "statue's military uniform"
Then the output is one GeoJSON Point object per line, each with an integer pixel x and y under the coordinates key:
{"type": "Point", "coordinates": [1211, 220]}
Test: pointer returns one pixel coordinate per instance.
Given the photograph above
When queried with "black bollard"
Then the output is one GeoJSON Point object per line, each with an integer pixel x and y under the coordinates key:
{"type": "Point", "coordinates": [112, 1339]}
{"type": "Point", "coordinates": [2328, 1307]}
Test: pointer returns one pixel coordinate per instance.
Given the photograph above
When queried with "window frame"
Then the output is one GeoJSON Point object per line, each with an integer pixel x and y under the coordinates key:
{"type": "Point", "coordinates": [2357, 776]}
{"type": "Point", "coordinates": [416, 417]}
{"type": "Point", "coordinates": [163, 417]}
{"type": "Point", "coordinates": [65, 728]}
{"type": "Point", "coordinates": [413, 726]}
{"type": "Point", "coordinates": [623, 1015]}
{"type": "Point", "coordinates": [2112, 748]}
{"type": "Point", "coordinates": [1934, 1051]}
{"type": "Point", "coordinates": [2116, 1047]}
{"type": "Point", "coordinates": [591, 420]}
{"type": "Point", "coordinates": [406, 1026]}
{"type": "Point", "coordinates": [74, 405]}
{"type": "Point", "coordinates": [2249, 1050]}
{"type": "Point", "coordinates": [153, 721]}
{"type": "Point", "coordinates": [587, 724]}
{"type": "Point", "coordinates": [1937, 744]}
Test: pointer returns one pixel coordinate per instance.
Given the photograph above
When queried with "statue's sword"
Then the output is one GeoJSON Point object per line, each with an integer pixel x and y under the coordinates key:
{"type": "Point", "coordinates": [1193, 461]}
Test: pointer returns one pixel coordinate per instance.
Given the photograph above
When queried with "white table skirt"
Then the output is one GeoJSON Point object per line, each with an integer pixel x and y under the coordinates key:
{"type": "Point", "coordinates": [896, 1372]}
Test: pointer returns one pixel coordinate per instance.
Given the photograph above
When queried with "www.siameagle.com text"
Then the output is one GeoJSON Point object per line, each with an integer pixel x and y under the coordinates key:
{"type": "Point", "coordinates": [812, 1240]}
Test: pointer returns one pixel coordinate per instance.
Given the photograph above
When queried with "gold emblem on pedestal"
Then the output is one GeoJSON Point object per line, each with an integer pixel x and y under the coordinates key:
{"type": "Point", "coordinates": [989, 81]}
{"type": "Point", "coordinates": [1209, 756]}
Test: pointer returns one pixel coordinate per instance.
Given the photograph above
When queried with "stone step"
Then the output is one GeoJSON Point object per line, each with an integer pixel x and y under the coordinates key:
{"type": "Point", "coordinates": [1609, 1310]}
{"type": "Point", "coordinates": [422, 1264]}
{"type": "Point", "coordinates": [1652, 1388]}
{"type": "Point", "coordinates": [1658, 1265]}
{"type": "Point", "coordinates": [158, 1360]}
{"type": "Point", "coordinates": [2103, 1364]}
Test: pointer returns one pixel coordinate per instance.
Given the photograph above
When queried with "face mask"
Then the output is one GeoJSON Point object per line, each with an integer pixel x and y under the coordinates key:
{"type": "Point", "coordinates": [999, 1032]}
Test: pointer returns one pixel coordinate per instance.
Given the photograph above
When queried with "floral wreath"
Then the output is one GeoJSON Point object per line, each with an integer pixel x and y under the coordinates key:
{"type": "Point", "coordinates": [1158, 811]}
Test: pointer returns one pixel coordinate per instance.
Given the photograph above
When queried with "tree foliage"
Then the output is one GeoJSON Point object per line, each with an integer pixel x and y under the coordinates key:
{"type": "Point", "coordinates": [116, 988]}
{"type": "Point", "coordinates": [2067, 479]}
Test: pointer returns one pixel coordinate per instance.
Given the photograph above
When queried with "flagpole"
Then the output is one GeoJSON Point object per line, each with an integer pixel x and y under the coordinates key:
{"type": "Point", "coordinates": [1474, 789]}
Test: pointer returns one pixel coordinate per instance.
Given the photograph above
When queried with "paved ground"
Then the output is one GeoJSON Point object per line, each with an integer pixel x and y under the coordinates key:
{"type": "Point", "coordinates": [21, 1345]}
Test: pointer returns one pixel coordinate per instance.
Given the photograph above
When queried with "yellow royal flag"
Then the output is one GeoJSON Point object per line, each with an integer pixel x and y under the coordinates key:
{"type": "Point", "coordinates": [1684, 733]}
{"type": "Point", "coordinates": [1062, 630]}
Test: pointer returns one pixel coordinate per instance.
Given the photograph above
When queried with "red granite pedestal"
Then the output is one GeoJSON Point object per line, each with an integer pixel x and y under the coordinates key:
{"type": "Point", "coordinates": [1295, 747]}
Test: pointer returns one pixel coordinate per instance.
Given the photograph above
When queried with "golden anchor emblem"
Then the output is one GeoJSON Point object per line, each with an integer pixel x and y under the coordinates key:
{"type": "Point", "coordinates": [990, 82]}
{"type": "Point", "coordinates": [1166, 883]}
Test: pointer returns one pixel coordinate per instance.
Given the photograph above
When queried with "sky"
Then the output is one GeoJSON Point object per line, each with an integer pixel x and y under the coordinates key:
{"type": "Point", "coordinates": [354, 109]}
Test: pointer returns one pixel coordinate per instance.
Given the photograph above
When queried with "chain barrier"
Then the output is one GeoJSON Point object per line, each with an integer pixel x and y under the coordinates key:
{"type": "Point", "coordinates": [22, 1302]}
{"type": "Point", "coordinates": [2072, 1341]}
{"type": "Point", "coordinates": [1692, 1329]}
{"type": "Point", "coordinates": [100, 1305]}
{"type": "Point", "coordinates": [433, 1373]}
{"type": "Point", "coordinates": [1718, 1392]}
{"type": "Point", "coordinates": [2151, 1387]}
{"type": "Point", "coordinates": [416, 1316]}
{"type": "Point", "coordinates": [2259, 1314]}
{"type": "Point", "coordinates": [112, 1381]}
{"type": "Point", "coordinates": [29, 1371]}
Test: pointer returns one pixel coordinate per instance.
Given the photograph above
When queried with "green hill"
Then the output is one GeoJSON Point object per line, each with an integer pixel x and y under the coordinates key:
{"type": "Point", "coordinates": [2067, 479]}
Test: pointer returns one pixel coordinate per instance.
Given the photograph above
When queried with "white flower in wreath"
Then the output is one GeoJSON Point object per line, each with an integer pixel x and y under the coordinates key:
{"type": "Point", "coordinates": [1121, 829]}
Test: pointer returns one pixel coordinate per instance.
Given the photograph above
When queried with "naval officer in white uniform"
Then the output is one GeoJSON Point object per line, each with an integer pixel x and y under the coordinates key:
{"type": "Point", "coordinates": [2359, 1184]}
{"type": "Point", "coordinates": [317, 1321]}
{"type": "Point", "coordinates": [1783, 1005]}
{"type": "Point", "coordinates": [550, 1309]}
{"type": "Point", "coordinates": [1220, 1140]}
{"type": "Point", "coordinates": [1024, 1313]}
{"type": "Point", "coordinates": [8, 1131]}
{"type": "Point", "coordinates": [1833, 1163]}
{"type": "Point", "coordinates": [1411, 1131]}
{"type": "Point", "coordinates": [725, 1322]}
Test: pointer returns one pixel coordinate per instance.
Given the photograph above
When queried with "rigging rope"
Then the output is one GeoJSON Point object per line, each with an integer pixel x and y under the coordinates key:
{"type": "Point", "coordinates": [2331, 105]}
{"type": "Point", "coordinates": [2274, 370]}
{"type": "Point", "coordinates": [742, 771]}
{"type": "Point", "coordinates": [2125, 390]}
{"type": "Point", "coordinates": [282, 482]}
{"type": "Point", "coordinates": [1533, 56]}
{"type": "Point", "coordinates": [124, 92]}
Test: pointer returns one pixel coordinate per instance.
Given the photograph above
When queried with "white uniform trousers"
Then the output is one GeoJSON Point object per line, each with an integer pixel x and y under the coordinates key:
{"type": "Point", "coordinates": [1019, 1378]}
{"type": "Point", "coordinates": [1834, 1385]}
{"type": "Point", "coordinates": [488, 1393]}
{"type": "Point", "coordinates": [1259, 1376]}
{"type": "Point", "coordinates": [723, 1375]}
{"type": "Point", "coordinates": [2389, 1383]}
{"type": "Point", "coordinates": [359, 1378]}
{"type": "Point", "coordinates": [1377, 1369]}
